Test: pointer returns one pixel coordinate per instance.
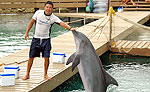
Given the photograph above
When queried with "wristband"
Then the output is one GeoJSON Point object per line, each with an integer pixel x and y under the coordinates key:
{"type": "Point", "coordinates": [70, 28]}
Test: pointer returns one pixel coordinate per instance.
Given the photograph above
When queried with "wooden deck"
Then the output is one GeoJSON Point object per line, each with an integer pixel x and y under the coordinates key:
{"type": "Point", "coordinates": [65, 44]}
{"type": "Point", "coordinates": [141, 48]}
{"type": "Point", "coordinates": [82, 15]}
{"type": "Point", "coordinates": [6, 4]}
{"type": "Point", "coordinates": [141, 5]}
{"type": "Point", "coordinates": [40, 3]}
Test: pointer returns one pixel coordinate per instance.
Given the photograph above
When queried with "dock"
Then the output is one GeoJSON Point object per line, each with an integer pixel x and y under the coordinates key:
{"type": "Point", "coordinates": [65, 44]}
{"type": "Point", "coordinates": [140, 48]}
{"type": "Point", "coordinates": [82, 15]}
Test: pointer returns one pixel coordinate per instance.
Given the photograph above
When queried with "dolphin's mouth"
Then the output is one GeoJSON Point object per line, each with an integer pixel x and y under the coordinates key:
{"type": "Point", "coordinates": [75, 34]}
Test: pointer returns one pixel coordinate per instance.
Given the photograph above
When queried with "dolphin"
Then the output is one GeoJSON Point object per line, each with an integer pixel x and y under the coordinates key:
{"type": "Point", "coordinates": [92, 73]}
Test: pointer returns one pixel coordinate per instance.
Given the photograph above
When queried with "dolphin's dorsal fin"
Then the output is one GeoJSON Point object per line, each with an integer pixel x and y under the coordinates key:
{"type": "Point", "coordinates": [71, 58]}
{"type": "Point", "coordinates": [76, 61]}
{"type": "Point", "coordinates": [110, 79]}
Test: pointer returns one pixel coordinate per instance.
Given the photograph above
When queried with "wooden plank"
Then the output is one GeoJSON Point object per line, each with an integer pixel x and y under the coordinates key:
{"type": "Point", "coordinates": [136, 44]}
{"type": "Point", "coordinates": [81, 15]}
{"type": "Point", "coordinates": [63, 5]}
{"type": "Point", "coordinates": [146, 45]}
{"type": "Point", "coordinates": [141, 44]}
{"type": "Point", "coordinates": [63, 76]}
{"type": "Point", "coordinates": [29, 5]}
{"type": "Point", "coordinates": [35, 4]}
{"type": "Point", "coordinates": [127, 6]}
{"type": "Point", "coordinates": [131, 44]}
{"type": "Point", "coordinates": [43, 0]}
{"type": "Point", "coordinates": [63, 0]}
{"type": "Point", "coordinates": [131, 9]}
{"type": "Point", "coordinates": [118, 42]}
{"type": "Point", "coordinates": [122, 43]}
{"type": "Point", "coordinates": [115, 0]}
{"type": "Point", "coordinates": [126, 44]}
{"type": "Point", "coordinates": [41, 5]}
{"type": "Point", "coordinates": [141, 2]}
{"type": "Point", "coordinates": [18, 0]}
{"type": "Point", "coordinates": [115, 4]}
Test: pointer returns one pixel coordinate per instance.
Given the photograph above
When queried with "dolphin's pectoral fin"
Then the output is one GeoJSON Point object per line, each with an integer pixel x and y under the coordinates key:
{"type": "Point", "coordinates": [110, 79]}
{"type": "Point", "coordinates": [71, 58]}
{"type": "Point", "coordinates": [76, 61]}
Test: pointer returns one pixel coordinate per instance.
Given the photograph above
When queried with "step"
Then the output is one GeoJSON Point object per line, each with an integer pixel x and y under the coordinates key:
{"type": "Point", "coordinates": [136, 9]}
{"type": "Point", "coordinates": [136, 6]}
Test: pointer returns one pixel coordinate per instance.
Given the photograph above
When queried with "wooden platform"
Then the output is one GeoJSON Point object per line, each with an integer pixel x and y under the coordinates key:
{"type": "Point", "coordinates": [65, 44]}
{"type": "Point", "coordinates": [82, 15]}
{"type": "Point", "coordinates": [141, 5]}
{"type": "Point", "coordinates": [141, 48]}
{"type": "Point", "coordinates": [40, 3]}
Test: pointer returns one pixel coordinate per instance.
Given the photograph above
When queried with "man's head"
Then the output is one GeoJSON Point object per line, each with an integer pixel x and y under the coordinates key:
{"type": "Point", "coordinates": [48, 7]}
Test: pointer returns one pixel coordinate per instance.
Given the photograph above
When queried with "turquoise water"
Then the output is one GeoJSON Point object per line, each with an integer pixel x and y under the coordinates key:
{"type": "Point", "coordinates": [132, 77]}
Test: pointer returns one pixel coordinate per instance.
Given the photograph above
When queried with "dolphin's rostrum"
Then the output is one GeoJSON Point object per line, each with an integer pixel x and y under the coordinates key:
{"type": "Point", "coordinates": [93, 75]}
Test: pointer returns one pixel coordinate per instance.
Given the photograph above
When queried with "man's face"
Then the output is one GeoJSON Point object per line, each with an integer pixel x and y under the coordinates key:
{"type": "Point", "coordinates": [48, 8]}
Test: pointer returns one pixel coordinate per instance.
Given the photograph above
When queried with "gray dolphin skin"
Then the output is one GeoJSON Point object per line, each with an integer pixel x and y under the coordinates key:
{"type": "Point", "coordinates": [92, 73]}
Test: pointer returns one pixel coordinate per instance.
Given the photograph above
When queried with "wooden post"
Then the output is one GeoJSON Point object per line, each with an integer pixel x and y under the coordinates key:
{"type": "Point", "coordinates": [110, 19]}
{"type": "Point", "coordinates": [84, 19]}
{"type": "Point", "coordinates": [77, 9]}
{"type": "Point", "coordinates": [69, 19]}
{"type": "Point", "coordinates": [108, 6]}
{"type": "Point", "coordinates": [59, 6]}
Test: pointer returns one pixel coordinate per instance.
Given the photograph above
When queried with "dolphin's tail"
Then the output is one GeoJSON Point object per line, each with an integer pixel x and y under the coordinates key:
{"type": "Point", "coordinates": [109, 79]}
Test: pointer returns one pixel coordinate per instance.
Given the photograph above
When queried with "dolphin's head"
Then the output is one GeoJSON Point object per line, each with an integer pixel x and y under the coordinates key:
{"type": "Point", "coordinates": [80, 39]}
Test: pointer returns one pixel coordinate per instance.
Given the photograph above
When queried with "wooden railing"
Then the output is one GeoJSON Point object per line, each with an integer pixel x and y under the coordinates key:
{"type": "Point", "coordinates": [40, 3]}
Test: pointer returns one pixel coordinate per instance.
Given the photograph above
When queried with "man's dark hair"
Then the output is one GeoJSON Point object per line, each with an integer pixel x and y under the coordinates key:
{"type": "Point", "coordinates": [49, 2]}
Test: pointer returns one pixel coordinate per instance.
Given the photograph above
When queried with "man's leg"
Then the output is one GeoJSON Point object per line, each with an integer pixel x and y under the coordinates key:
{"type": "Point", "coordinates": [46, 65]}
{"type": "Point", "coordinates": [125, 3]}
{"type": "Point", "coordinates": [132, 2]}
{"type": "Point", "coordinates": [30, 62]}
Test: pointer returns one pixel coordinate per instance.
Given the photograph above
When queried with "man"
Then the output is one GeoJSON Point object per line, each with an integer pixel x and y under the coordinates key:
{"type": "Point", "coordinates": [41, 40]}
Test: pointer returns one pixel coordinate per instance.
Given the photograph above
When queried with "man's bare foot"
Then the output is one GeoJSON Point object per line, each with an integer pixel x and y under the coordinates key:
{"type": "Point", "coordinates": [26, 77]}
{"type": "Point", "coordinates": [47, 78]}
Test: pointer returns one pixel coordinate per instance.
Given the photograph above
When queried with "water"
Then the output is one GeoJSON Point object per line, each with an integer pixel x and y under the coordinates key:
{"type": "Point", "coordinates": [131, 77]}
{"type": "Point", "coordinates": [12, 29]}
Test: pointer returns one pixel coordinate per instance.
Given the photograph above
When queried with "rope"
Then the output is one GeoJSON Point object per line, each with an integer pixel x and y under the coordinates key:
{"type": "Point", "coordinates": [114, 43]}
{"type": "Point", "coordinates": [137, 24]}
{"type": "Point", "coordinates": [13, 63]}
{"type": "Point", "coordinates": [127, 20]}
{"type": "Point", "coordinates": [92, 33]}
{"type": "Point", "coordinates": [126, 51]}
{"type": "Point", "coordinates": [74, 21]}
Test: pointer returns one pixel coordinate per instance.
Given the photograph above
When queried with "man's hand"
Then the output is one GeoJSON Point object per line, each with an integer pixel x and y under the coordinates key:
{"type": "Point", "coordinates": [72, 29]}
{"type": "Point", "coordinates": [26, 36]}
